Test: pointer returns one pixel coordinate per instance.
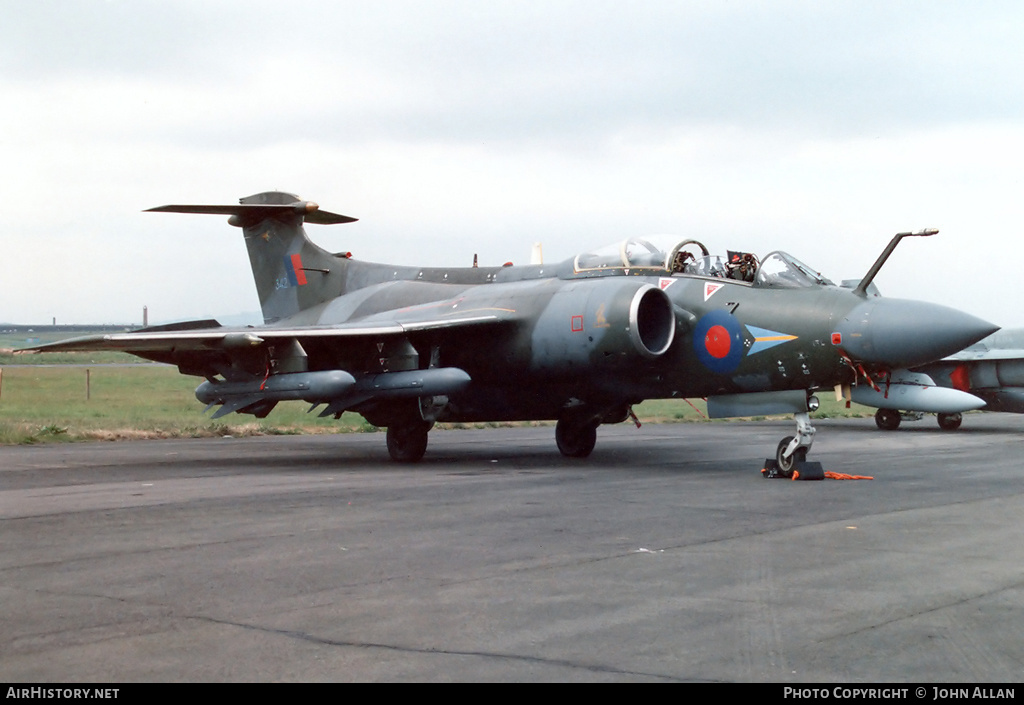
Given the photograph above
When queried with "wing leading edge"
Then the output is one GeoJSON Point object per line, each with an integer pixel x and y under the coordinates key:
{"type": "Point", "coordinates": [205, 337]}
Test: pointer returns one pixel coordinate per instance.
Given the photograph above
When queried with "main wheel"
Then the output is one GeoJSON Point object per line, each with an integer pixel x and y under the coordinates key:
{"type": "Point", "coordinates": [888, 419]}
{"type": "Point", "coordinates": [575, 440]}
{"type": "Point", "coordinates": [950, 422]}
{"type": "Point", "coordinates": [407, 442]}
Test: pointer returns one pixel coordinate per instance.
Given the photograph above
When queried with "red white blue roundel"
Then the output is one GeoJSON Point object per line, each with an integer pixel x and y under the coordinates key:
{"type": "Point", "coordinates": [718, 342]}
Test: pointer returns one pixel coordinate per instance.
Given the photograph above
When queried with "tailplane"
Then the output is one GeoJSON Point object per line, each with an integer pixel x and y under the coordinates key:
{"type": "Point", "coordinates": [291, 272]}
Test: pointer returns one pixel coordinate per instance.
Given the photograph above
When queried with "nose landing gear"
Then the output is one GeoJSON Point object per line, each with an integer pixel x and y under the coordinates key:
{"type": "Point", "coordinates": [791, 454]}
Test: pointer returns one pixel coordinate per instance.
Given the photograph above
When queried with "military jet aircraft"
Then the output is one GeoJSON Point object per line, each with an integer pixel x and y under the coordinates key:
{"type": "Point", "coordinates": [578, 342]}
{"type": "Point", "coordinates": [988, 375]}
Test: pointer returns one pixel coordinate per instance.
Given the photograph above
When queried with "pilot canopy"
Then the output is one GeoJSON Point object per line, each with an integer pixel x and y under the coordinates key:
{"type": "Point", "coordinates": [783, 271]}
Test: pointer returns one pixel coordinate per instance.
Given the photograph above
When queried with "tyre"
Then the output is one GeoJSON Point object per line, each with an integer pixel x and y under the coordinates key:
{"type": "Point", "coordinates": [887, 419]}
{"type": "Point", "coordinates": [575, 441]}
{"type": "Point", "coordinates": [407, 442]}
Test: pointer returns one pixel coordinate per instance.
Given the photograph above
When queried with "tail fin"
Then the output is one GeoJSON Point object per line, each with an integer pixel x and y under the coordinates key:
{"type": "Point", "coordinates": [291, 272]}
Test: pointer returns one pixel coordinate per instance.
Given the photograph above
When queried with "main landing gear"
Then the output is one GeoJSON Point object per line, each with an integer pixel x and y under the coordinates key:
{"type": "Point", "coordinates": [407, 441]}
{"type": "Point", "coordinates": [409, 422]}
{"type": "Point", "coordinates": [576, 437]}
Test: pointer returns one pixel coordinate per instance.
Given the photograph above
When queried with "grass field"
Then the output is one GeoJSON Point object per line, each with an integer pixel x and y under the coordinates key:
{"type": "Point", "coordinates": [65, 402]}
{"type": "Point", "coordinates": [70, 403]}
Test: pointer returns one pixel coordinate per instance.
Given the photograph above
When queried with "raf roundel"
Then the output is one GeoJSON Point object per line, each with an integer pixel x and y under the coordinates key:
{"type": "Point", "coordinates": [718, 342]}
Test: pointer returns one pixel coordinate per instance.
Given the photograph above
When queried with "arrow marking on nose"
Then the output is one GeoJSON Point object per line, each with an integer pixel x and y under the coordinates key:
{"type": "Point", "coordinates": [765, 339]}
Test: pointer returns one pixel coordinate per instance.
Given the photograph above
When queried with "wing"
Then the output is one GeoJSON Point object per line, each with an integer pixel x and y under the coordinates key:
{"type": "Point", "coordinates": [347, 365]}
{"type": "Point", "coordinates": [210, 335]}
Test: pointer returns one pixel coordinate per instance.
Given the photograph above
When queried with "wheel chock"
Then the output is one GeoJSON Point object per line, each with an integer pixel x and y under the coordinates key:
{"type": "Point", "coordinates": [802, 470]}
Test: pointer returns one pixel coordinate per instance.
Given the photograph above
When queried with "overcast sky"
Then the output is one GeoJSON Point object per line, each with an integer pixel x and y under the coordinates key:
{"type": "Point", "coordinates": [452, 128]}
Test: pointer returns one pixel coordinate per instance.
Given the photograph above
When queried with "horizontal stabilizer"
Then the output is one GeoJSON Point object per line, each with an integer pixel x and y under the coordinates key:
{"type": "Point", "coordinates": [253, 213]}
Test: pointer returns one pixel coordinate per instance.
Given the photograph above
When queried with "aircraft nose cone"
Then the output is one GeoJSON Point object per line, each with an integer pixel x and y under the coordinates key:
{"type": "Point", "coordinates": [902, 333]}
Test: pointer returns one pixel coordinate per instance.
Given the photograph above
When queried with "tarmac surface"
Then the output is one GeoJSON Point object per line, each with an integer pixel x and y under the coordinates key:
{"type": "Point", "coordinates": [663, 557]}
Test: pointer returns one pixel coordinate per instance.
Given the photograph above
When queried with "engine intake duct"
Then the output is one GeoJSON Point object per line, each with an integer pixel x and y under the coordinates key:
{"type": "Point", "coordinates": [613, 321]}
{"type": "Point", "coordinates": [652, 322]}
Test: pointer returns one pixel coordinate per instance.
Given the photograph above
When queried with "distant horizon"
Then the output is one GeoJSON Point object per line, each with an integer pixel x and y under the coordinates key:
{"type": "Point", "coordinates": [234, 319]}
{"type": "Point", "coordinates": [16, 326]}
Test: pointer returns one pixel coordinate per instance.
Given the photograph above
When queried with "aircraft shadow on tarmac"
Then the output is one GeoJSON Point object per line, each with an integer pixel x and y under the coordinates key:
{"type": "Point", "coordinates": [464, 451]}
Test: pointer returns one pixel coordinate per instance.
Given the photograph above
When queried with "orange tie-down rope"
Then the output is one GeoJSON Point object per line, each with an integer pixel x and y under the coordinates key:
{"type": "Point", "coordinates": [828, 474]}
{"type": "Point", "coordinates": [843, 476]}
{"type": "Point", "coordinates": [836, 476]}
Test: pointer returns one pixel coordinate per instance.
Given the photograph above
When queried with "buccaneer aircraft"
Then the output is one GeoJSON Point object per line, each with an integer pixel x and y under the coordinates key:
{"type": "Point", "coordinates": [579, 342]}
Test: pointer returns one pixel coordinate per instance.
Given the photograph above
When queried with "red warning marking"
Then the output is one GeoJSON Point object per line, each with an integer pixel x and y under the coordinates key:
{"type": "Point", "coordinates": [710, 289]}
{"type": "Point", "coordinates": [577, 324]}
{"type": "Point", "coordinates": [961, 378]}
{"type": "Point", "coordinates": [717, 342]}
{"type": "Point", "coordinates": [837, 338]}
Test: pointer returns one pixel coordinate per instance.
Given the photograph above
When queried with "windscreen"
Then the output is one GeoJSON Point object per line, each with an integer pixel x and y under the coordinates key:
{"type": "Point", "coordinates": [781, 271]}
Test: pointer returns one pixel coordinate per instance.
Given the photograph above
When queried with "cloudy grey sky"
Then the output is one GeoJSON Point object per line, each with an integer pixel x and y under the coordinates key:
{"type": "Point", "coordinates": [451, 128]}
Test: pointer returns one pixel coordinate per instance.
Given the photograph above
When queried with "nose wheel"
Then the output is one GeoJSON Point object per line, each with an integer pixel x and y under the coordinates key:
{"type": "Point", "coordinates": [792, 449]}
{"type": "Point", "coordinates": [786, 463]}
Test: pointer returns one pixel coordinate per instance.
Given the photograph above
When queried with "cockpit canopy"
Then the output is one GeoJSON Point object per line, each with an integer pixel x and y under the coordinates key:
{"type": "Point", "coordinates": [631, 253]}
{"type": "Point", "coordinates": [783, 271]}
{"type": "Point", "coordinates": [667, 256]}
